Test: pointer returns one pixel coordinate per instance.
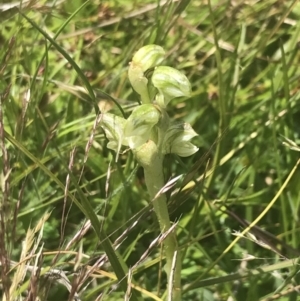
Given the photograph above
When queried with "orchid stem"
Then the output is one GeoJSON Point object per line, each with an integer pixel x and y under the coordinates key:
{"type": "Point", "coordinates": [152, 162]}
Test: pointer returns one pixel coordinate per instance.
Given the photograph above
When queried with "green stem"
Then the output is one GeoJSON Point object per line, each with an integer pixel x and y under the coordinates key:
{"type": "Point", "coordinates": [152, 162]}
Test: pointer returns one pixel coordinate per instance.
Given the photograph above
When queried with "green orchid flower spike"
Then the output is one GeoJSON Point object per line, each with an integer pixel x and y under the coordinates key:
{"type": "Point", "coordinates": [151, 134]}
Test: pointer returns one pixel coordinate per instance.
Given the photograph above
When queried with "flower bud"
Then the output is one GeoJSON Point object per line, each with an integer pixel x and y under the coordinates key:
{"type": "Point", "coordinates": [148, 57]}
{"type": "Point", "coordinates": [139, 124]}
{"type": "Point", "coordinates": [177, 140]}
{"type": "Point", "coordinates": [170, 83]}
{"type": "Point", "coordinates": [145, 58]}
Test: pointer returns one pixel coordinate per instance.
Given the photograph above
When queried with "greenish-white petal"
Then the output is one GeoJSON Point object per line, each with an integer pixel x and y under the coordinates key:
{"type": "Point", "coordinates": [148, 56]}
{"type": "Point", "coordinates": [184, 149]}
{"type": "Point", "coordinates": [170, 83]}
{"type": "Point", "coordinates": [177, 140]}
{"type": "Point", "coordinates": [113, 127]}
{"type": "Point", "coordinates": [141, 121]}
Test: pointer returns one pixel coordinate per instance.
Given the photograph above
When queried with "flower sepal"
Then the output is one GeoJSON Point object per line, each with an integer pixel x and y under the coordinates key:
{"type": "Point", "coordinates": [113, 127]}
{"type": "Point", "coordinates": [144, 59]}
{"type": "Point", "coordinates": [170, 84]}
{"type": "Point", "coordinates": [177, 140]}
{"type": "Point", "coordinates": [140, 123]}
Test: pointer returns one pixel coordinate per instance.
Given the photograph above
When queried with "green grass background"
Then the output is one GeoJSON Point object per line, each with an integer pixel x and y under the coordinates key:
{"type": "Point", "coordinates": [61, 61]}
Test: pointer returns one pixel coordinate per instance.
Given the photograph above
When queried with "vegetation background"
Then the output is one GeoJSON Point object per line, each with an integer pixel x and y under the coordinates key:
{"type": "Point", "coordinates": [63, 197]}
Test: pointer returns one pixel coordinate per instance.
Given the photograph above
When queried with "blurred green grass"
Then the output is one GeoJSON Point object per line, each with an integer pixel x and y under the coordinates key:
{"type": "Point", "coordinates": [242, 60]}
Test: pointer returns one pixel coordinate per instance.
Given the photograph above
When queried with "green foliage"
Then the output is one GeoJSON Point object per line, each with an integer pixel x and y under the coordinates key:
{"type": "Point", "coordinates": [63, 62]}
